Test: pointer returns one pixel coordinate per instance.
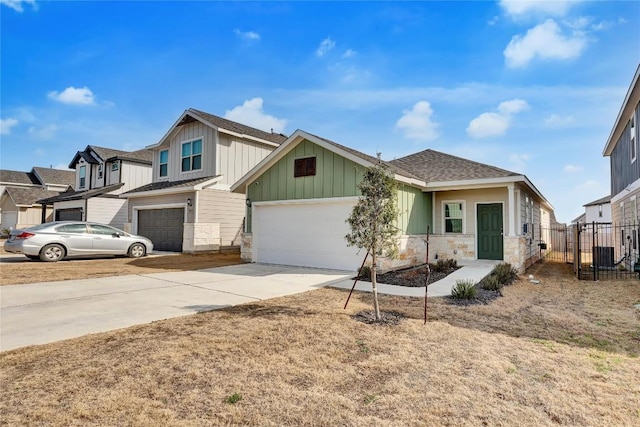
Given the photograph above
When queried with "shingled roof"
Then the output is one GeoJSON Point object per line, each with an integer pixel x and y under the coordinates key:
{"type": "Point", "coordinates": [56, 176]}
{"type": "Point", "coordinates": [185, 183]}
{"type": "Point", "coordinates": [141, 156]}
{"type": "Point", "coordinates": [17, 177]}
{"type": "Point", "coordinates": [236, 127]}
{"type": "Point", "coordinates": [601, 201]}
{"type": "Point", "coordinates": [434, 166]}
{"type": "Point", "coordinates": [28, 196]}
{"type": "Point", "coordinates": [83, 194]}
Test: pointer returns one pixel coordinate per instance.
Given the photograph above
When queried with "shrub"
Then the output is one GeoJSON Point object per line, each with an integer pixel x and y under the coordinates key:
{"type": "Point", "coordinates": [491, 283]}
{"type": "Point", "coordinates": [234, 398]}
{"type": "Point", "coordinates": [505, 273]}
{"type": "Point", "coordinates": [463, 289]}
{"type": "Point", "coordinates": [444, 265]}
{"type": "Point", "coordinates": [365, 273]}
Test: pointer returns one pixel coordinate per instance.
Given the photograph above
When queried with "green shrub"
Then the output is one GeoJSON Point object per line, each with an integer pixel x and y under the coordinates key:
{"type": "Point", "coordinates": [365, 273]}
{"type": "Point", "coordinates": [491, 283]}
{"type": "Point", "coordinates": [444, 265]}
{"type": "Point", "coordinates": [463, 289]}
{"type": "Point", "coordinates": [505, 273]}
{"type": "Point", "coordinates": [234, 398]}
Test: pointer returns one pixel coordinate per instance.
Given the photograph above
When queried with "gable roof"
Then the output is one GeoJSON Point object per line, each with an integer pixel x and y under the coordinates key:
{"type": "Point", "coordinates": [55, 176]}
{"type": "Point", "coordinates": [17, 177]}
{"type": "Point", "coordinates": [628, 106]}
{"type": "Point", "coordinates": [346, 152]}
{"type": "Point", "coordinates": [225, 126]}
{"type": "Point", "coordinates": [434, 166]}
{"type": "Point", "coordinates": [28, 196]}
{"type": "Point", "coordinates": [143, 156]}
{"type": "Point", "coordinates": [601, 201]}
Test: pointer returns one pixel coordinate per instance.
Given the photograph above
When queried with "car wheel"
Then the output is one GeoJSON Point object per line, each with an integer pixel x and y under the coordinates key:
{"type": "Point", "coordinates": [137, 250]}
{"type": "Point", "coordinates": [52, 253]}
{"type": "Point", "coordinates": [32, 256]}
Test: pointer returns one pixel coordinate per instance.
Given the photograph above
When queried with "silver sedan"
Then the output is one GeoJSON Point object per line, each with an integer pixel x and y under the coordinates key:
{"type": "Point", "coordinates": [54, 241]}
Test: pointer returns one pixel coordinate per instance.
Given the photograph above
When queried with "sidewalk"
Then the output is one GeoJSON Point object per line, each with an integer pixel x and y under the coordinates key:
{"type": "Point", "coordinates": [473, 270]}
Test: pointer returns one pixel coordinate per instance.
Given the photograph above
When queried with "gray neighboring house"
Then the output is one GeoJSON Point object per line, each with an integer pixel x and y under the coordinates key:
{"type": "Point", "coordinates": [21, 191]}
{"type": "Point", "coordinates": [188, 205]}
{"type": "Point", "coordinates": [101, 174]}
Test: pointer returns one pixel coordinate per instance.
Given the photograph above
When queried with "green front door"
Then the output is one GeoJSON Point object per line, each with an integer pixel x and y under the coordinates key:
{"type": "Point", "coordinates": [490, 231]}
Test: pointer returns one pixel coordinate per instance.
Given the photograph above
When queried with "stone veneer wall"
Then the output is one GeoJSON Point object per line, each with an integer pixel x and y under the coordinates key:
{"type": "Point", "coordinates": [515, 252]}
{"type": "Point", "coordinates": [201, 237]}
{"type": "Point", "coordinates": [245, 247]}
{"type": "Point", "coordinates": [461, 247]}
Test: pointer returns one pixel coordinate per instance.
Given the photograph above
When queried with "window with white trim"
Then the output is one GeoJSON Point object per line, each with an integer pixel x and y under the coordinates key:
{"type": "Point", "coordinates": [114, 166]}
{"type": "Point", "coordinates": [192, 155]}
{"type": "Point", "coordinates": [83, 176]}
{"type": "Point", "coordinates": [164, 163]}
{"type": "Point", "coordinates": [100, 171]}
{"type": "Point", "coordinates": [453, 217]}
{"type": "Point", "coordinates": [632, 138]}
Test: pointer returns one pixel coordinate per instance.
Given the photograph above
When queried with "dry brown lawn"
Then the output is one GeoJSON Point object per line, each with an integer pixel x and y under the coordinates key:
{"type": "Point", "coordinates": [38, 271]}
{"type": "Point", "coordinates": [560, 353]}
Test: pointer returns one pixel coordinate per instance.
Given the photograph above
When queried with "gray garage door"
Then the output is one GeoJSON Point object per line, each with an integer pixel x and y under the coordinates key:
{"type": "Point", "coordinates": [74, 214]}
{"type": "Point", "coordinates": [163, 227]}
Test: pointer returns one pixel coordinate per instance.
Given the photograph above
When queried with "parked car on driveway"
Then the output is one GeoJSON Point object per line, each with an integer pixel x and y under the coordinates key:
{"type": "Point", "coordinates": [54, 241]}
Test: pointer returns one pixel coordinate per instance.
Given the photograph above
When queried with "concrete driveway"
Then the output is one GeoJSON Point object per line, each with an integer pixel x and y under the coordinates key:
{"type": "Point", "coordinates": [40, 313]}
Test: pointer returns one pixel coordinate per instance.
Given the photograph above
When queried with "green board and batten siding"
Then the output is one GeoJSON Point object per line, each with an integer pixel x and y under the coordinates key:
{"type": "Point", "coordinates": [335, 176]}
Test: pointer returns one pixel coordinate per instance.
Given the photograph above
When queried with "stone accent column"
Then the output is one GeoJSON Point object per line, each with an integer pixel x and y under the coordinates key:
{"type": "Point", "coordinates": [246, 248]}
{"type": "Point", "coordinates": [515, 252]}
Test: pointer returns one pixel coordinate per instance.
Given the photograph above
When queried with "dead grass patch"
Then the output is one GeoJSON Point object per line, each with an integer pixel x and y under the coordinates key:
{"type": "Point", "coordinates": [562, 352]}
{"type": "Point", "coordinates": [37, 271]}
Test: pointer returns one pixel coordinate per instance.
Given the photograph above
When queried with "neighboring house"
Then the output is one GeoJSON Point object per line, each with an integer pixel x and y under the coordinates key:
{"type": "Point", "coordinates": [101, 174]}
{"type": "Point", "coordinates": [299, 198]}
{"type": "Point", "coordinates": [622, 148]}
{"type": "Point", "coordinates": [188, 205]}
{"type": "Point", "coordinates": [598, 210]}
{"type": "Point", "coordinates": [20, 192]}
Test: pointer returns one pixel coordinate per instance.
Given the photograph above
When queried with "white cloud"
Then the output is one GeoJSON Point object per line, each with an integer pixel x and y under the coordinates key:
{"type": "Point", "coordinates": [488, 124]}
{"type": "Point", "coordinates": [493, 21]}
{"type": "Point", "coordinates": [573, 168]}
{"type": "Point", "coordinates": [250, 113]}
{"type": "Point", "coordinates": [349, 53]}
{"type": "Point", "coordinates": [495, 124]}
{"type": "Point", "coordinates": [247, 35]}
{"type": "Point", "coordinates": [513, 106]}
{"type": "Point", "coordinates": [45, 132]}
{"type": "Point", "coordinates": [325, 46]}
{"type": "Point", "coordinates": [519, 8]}
{"type": "Point", "coordinates": [17, 4]}
{"type": "Point", "coordinates": [417, 124]}
{"type": "Point", "coordinates": [555, 120]}
{"type": "Point", "coordinates": [518, 162]}
{"type": "Point", "coordinates": [6, 125]}
{"type": "Point", "coordinates": [545, 41]}
{"type": "Point", "coordinates": [72, 95]}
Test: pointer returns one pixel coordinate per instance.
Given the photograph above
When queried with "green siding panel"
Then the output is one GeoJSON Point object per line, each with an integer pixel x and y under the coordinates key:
{"type": "Point", "coordinates": [335, 176]}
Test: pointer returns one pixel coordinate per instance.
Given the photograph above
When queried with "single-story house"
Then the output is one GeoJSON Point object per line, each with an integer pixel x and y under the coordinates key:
{"type": "Point", "coordinates": [299, 197]}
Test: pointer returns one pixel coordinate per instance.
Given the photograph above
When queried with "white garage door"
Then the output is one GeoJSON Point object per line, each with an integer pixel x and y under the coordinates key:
{"type": "Point", "coordinates": [9, 219]}
{"type": "Point", "coordinates": [307, 234]}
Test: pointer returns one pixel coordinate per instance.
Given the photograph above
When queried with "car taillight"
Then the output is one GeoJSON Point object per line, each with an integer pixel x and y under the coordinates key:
{"type": "Point", "coordinates": [24, 235]}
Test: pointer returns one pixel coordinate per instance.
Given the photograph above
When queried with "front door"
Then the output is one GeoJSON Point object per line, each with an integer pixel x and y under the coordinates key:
{"type": "Point", "coordinates": [490, 244]}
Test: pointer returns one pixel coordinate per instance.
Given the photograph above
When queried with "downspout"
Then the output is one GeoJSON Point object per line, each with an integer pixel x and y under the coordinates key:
{"type": "Point", "coordinates": [43, 215]}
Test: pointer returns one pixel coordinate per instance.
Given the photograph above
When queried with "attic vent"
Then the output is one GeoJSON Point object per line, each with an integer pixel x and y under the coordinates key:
{"type": "Point", "coordinates": [305, 166]}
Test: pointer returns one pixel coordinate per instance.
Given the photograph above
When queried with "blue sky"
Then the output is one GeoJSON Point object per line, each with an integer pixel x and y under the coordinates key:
{"type": "Point", "coordinates": [532, 87]}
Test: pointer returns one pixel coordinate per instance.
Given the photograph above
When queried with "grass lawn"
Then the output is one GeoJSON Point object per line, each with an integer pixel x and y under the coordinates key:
{"type": "Point", "coordinates": [562, 352]}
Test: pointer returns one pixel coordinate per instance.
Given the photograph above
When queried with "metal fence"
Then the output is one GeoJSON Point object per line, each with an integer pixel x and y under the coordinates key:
{"type": "Point", "coordinates": [597, 250]}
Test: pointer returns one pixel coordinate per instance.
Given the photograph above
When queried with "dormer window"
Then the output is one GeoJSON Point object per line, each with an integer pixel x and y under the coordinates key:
{"type": "Point", "coordinates": [100, 171]}
{"type": "Point", "coordinates": [83, 176]}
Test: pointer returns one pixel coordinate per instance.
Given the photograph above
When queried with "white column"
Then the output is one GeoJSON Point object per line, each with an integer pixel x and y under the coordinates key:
{"type": "Point", "coordinates": [512, 210]}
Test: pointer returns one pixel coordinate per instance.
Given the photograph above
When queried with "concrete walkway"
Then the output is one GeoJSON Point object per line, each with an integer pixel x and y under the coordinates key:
{"type": "Point", "coordinates": [472, 270]}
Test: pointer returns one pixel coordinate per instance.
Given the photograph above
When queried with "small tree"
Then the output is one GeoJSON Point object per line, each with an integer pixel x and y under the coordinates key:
{"type": "Point", "coordinates": [372, 219]}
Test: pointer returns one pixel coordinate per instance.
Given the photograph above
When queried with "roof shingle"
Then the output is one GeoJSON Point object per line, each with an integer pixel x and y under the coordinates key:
{"type": "Point", "coordinates": [28, 196]}
{"type": "Point", "coordinates": [434, 166]}
{"type": "Point", "coordinates": [186, 183]}
{"type": "Point", "coordinates": [276, 138]}
{"type": "Point", "coordinates": [56, 176]}
{"type": "Point", "coordinates": [17, 177]}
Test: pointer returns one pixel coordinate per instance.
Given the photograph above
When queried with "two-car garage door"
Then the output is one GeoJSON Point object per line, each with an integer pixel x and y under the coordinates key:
{"type": "Point", "coordinates": [305, 234]}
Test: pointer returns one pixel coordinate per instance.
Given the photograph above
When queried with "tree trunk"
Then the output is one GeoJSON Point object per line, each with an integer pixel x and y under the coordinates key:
{"type": "Point", "coordinates": [376, 305]}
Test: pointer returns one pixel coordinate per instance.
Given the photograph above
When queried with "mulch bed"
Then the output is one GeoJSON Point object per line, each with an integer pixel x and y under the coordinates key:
{"type": "Point", "coordinates": [387, 317]}
{"type": "Point", "coordinates": [415, 277]}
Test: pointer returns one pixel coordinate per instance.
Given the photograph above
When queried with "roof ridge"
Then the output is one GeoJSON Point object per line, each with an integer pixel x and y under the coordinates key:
{"type": "Point", "coordinates": [462, 159]}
